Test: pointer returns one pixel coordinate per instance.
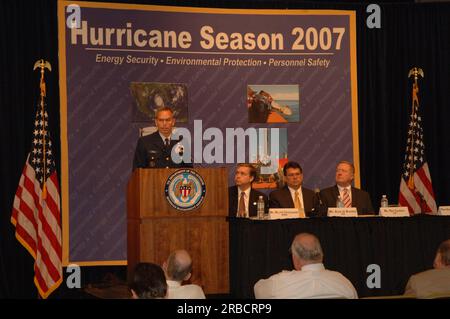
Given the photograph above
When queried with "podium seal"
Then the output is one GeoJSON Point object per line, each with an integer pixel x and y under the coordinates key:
{"type": "Point", "coordinates": [185, 189]}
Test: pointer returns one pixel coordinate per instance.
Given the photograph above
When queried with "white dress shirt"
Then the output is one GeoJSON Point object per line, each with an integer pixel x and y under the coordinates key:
{"type": "Point", "coordinates": [247, 199]}
{"type": "Point", "coordinates": [341, 192]}
{"type": "Point", "coordinates": [312, 282]}
{"type": "Point", "coordinates": [177, 291]}
{"type": "Point", "coordinates": [164, 138]}
{"type": "Point", "coordinates": [300, 195]}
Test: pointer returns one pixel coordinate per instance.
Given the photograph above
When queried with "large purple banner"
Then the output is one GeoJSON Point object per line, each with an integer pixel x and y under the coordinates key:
{"type": "Point", "coordinates": [283, 80]}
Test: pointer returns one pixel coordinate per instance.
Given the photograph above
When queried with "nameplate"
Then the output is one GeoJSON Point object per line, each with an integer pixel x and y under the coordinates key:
{"type": "Point", "coordinates": [342, 212]}
{"type": "Point", "coordinates": [401, 211]}
{"type": "Point", "coordinates": [444, 210]}
{"type": "Point", "coordinates": [283, 213]}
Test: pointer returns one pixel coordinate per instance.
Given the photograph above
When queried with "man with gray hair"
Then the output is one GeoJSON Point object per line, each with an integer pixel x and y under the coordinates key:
{"type": "Point", "coordinates": [309, 279]}
{"type": "Point", "coordinates": [177, 269]}
{"type": "Point", "coordinates": [349, 195]}
{"type": "Point", "coordinates": [433, 281]}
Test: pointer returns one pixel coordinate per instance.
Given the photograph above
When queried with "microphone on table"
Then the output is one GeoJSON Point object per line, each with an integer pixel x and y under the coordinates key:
{"type": "Point", "coordinates": [319, 209]}
{"type": "Point", "coordinates": [317, 191]}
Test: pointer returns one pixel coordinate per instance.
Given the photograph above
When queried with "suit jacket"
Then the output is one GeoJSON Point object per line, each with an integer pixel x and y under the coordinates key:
{"type": "Point", "coordinates": [233, 200]}
{"type": "Point", "coordinates": [360, 199]}
{"type": "Point", "coordinates": [150, 146]}
{"type": "Point", "coordinates": [424, 284]}
{"type": "Point", "coordinates": [281, 198]}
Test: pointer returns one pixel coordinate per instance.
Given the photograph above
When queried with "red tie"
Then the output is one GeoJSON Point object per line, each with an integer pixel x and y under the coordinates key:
{"type": "Point", "coordinates": [347, 201]}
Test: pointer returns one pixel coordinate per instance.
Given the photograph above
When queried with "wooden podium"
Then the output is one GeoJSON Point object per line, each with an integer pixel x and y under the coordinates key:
{"type": "Point", "coordinates": [155, 228]}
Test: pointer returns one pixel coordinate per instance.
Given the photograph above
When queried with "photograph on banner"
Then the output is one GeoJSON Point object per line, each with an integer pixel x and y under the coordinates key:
{"type": "Point", "coordinates": [273, 103]}
{"type": "Point", "coordinates": [270, 159]}
{"type": "Point", "coordinates": [148, 97]}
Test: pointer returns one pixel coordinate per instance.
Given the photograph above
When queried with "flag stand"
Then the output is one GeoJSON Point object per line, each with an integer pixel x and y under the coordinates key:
{"type": "Point", "coordinates": [416, 190]}
{"type": "Point", "coordinates": [36, 213]}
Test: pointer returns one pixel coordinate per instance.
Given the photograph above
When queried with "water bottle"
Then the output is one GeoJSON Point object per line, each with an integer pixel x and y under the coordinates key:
{"type": "Point", "coordinates": [384, 201]}
{"type": "Point", "coordinates": [260, 207]}
{"type": "Point", "coordinates": [339, 202]}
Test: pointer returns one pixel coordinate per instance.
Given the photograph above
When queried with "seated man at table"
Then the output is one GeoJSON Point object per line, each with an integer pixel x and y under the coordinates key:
{"type": "Point", "coordinates": [177, 269]}
{"type": "Point", "coordinates": [433, 281]}
{"type": "Point", "coordinates": [309, 280]}
{"type": "Point", "coordinates": [293, 195]}
{"type": "Point", "coordinates": [242, 198]}
{"type": "Point", "coordinates": [350, 196]}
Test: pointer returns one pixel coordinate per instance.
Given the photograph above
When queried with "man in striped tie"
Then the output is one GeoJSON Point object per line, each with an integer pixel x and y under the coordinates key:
{"type": "Point", "coordinates": [351, 196]}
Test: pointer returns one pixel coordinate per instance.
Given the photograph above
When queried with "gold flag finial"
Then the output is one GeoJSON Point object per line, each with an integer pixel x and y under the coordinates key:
{"type": "Point", "coordinates": [415, 71]}
{"type": "Point", "coordinates": [42, 64]}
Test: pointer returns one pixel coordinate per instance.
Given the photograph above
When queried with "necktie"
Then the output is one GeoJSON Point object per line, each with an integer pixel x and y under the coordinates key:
{"type": "Point", "coordinates": [347, 201]}
{"type": "Point", "coordinates": [166, 142]}
{"type": "Point", "coordinates": [241, 210]}
{"type": "Point", "coordinates": [298, 205]}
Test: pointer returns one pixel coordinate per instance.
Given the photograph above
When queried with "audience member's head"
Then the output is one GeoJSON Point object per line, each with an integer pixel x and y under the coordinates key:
{"type": "Point", "coordinates": [306, 250]}
{"type": "Point", "coordinates": [178, 266]}
{"type": "Point", "coordinates": [148, 282]}
{"type": "Point", "coordinates": [442, 259]}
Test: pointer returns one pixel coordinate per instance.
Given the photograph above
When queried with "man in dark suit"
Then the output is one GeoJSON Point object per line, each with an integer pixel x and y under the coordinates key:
{"type": "Point", "coordinates": [242, 198]}
{"type": "Point", "coordinates": [293, 192]}
{"type": "Point", "coordinates": [350, 196]}
{"type": "Point", "coordinates": [154, 150]}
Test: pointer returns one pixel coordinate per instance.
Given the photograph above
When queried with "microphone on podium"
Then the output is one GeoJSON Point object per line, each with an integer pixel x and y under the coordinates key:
{"type": "Point", "coordinates": [153, 157]}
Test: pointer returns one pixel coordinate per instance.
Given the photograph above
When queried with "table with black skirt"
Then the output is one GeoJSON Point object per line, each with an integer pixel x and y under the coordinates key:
{"type": "Point", "coordinates": [400, 246]}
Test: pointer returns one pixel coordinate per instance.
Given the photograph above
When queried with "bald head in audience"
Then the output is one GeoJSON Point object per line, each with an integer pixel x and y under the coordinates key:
{"type": "Point", "coordinates": [306, 250]}
{"type": "Point", "coordinates": [178, 266]}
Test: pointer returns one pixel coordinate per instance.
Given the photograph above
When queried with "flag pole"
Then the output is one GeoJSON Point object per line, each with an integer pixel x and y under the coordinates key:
{"type": "Point", "coordinates": [415, 72]}
{"type": "Point", "coordinates": [42, 64]}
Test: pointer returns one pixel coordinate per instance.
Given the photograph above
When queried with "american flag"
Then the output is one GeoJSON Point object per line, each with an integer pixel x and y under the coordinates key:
{"type": "Point", "coordinates": [36, 209]}
{"type": "Point", "coordinates": [416, 190]}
